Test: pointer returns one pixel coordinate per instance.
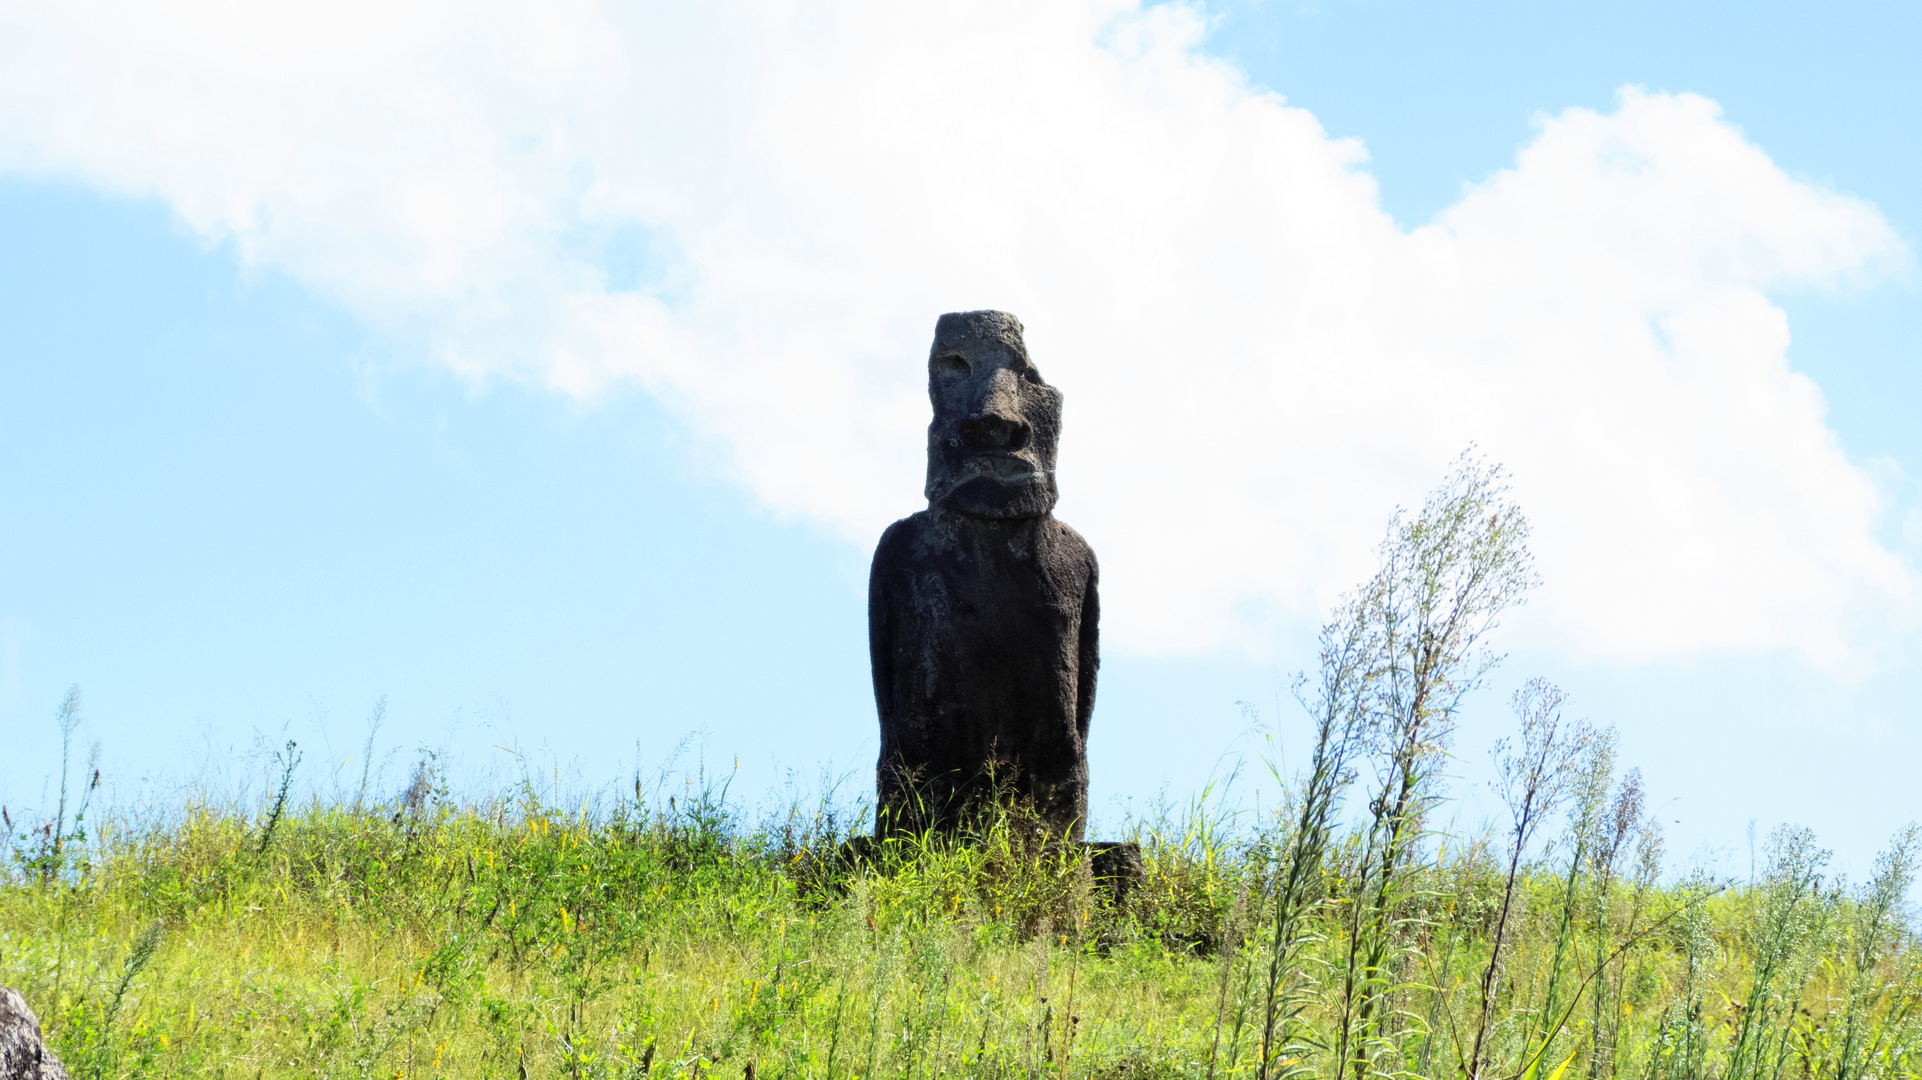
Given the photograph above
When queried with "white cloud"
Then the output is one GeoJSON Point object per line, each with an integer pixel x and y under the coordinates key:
{"type": "Point", "coordinates": [1258, 363]}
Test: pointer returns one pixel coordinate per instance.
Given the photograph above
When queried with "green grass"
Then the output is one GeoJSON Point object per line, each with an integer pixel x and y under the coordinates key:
{"type": "Point", "coordinates": [523, 935]}
{"type": "Point", "coordinates": [687, 938]}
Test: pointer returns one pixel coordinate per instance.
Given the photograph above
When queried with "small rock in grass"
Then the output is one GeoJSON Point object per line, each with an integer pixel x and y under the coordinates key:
{"type": "Point", "coordinates": [24, 1055]}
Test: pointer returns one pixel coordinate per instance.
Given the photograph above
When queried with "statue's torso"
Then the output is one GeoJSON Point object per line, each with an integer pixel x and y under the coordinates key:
{"type": "Point", "coordinates": [983, 643]}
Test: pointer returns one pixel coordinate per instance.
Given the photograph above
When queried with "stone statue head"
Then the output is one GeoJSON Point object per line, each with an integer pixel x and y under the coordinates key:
{"type": "Point", "coordinates": [991, 446]}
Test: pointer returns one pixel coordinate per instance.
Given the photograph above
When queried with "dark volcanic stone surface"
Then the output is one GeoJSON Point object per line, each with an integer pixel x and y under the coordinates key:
{"type": "Point", "coordinates": [982, 609]}
{"type": "Point", "coordinates": [991, 446]}
{"type": "Point", "coordinates": [23, 1054]}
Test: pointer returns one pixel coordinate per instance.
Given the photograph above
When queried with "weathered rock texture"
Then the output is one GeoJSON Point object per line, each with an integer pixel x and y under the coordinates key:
{"type": "Point", "coordinates": [24, 1055]}
{"type": "Point", "coordinates": [982, 610]}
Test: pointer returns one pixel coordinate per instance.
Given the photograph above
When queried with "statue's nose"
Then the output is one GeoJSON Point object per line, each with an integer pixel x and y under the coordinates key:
{"type": "Point", "coordinates": [995, 424]}
{"type": "Point", "coordinates": [992, 431]}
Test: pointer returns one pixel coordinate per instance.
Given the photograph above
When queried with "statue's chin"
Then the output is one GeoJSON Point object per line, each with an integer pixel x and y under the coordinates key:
{"type": "Point", "coordinates": [992, 497]}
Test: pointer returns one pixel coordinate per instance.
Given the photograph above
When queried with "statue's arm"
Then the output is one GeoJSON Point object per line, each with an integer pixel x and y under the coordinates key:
{"type": "Point", "coordinates": [880, 632]}
{"type": "Point", "coordinates": [1090, 651]}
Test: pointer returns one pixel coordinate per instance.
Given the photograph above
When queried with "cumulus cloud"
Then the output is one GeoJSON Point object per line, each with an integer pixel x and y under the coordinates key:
{"type": "Point", "coordinates": [756, 211]}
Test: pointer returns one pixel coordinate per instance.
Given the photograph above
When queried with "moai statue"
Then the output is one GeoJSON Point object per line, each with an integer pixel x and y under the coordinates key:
{"type": "Point", "coordinates": [981, 609]}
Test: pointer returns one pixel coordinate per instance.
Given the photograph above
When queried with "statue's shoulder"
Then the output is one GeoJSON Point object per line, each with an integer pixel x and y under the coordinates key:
{"type": "Point", "coordinates": [908, 528]}
{"type": "Point", "coordinates": [904, 539]}
{"type": "Point", "coordinates": [1067, 539]}
{"type": "Point", "coordinates": [1067, 547]}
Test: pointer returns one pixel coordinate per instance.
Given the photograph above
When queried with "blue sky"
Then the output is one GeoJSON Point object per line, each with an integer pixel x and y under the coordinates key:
{"type": "Point", "coordinates": [283, 431]}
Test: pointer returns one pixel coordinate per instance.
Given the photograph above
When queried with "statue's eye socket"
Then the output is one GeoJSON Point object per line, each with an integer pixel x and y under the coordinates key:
{"type": "Point", "coordinates": [1032, 374]}
{"type": "Point", "coordinates": [951, 365]}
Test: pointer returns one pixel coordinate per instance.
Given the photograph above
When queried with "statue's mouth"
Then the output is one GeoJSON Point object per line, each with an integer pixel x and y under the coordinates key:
{"type": "Point", "coordinates": [1004, 467]}
{"type": "Point", "coordinates": [1006, 480]}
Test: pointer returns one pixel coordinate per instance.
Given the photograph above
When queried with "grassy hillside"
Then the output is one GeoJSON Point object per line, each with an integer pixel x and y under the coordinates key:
{"type": "Point", "coordinates": [1339, 938]}
{"type": "Point", "coordinates": [680, 938]}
